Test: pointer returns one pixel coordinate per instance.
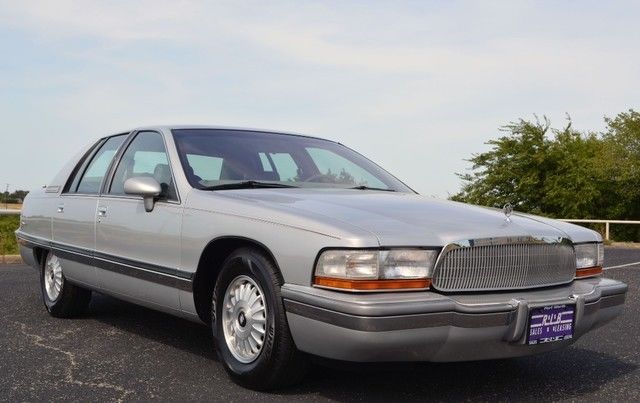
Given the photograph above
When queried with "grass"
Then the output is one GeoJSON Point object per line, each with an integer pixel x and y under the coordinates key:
{"type": "Point", "coordinates": [8, 224]}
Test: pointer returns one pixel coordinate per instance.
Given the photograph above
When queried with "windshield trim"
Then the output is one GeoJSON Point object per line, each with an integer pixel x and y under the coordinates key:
{"type": "Point", "coordinates": [249, 184]}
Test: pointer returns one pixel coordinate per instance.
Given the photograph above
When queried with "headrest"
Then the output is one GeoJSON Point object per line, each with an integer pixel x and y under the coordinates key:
{"type": "Point", "coordinates": [162, 173]}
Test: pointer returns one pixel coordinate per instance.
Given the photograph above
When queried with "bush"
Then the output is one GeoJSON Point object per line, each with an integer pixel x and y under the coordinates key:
{"type": "Point", "coordinates": [8, 244]}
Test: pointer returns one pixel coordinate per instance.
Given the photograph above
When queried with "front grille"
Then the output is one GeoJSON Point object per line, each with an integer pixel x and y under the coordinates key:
{"type": "Point", "coordinates": [508, 266]}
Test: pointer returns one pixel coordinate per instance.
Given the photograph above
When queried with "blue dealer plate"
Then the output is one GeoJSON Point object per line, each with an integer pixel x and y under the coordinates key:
{"type": "Point", "coordinates": [551, 323]}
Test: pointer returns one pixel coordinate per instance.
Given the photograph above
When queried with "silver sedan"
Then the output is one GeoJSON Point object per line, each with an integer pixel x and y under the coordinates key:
{"type": "Point", "coordinates": [289, 245]}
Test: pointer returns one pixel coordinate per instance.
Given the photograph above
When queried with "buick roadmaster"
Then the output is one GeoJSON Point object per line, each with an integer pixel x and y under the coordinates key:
{"type": "Point", "coordinates": [291, 246]}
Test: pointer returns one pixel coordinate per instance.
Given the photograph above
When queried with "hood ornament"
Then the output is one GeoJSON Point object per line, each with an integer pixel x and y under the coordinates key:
{"type": "Point", "coordinates": [507, 209]}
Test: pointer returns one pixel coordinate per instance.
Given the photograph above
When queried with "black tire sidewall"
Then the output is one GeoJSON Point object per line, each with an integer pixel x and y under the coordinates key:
{"type": "Point", "coordinates": [237, 265]}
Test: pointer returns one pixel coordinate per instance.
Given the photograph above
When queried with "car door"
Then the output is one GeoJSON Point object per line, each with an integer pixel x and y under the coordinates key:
{"type": "Point", "coordinates": [73, 222]}
{"type": "Point", "coordinates": [137, 252]}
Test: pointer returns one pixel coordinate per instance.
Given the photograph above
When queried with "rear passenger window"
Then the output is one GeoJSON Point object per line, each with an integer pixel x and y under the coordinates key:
{"type": "Point", "coordinates": [92, 175]}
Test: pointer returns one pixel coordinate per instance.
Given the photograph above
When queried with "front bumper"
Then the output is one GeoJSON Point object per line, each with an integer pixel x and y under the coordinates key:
{"type": "Point", "coordinates": [427, 326]}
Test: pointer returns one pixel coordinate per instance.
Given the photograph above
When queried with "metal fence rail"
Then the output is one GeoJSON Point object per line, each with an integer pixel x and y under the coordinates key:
{"type": "Point", "coordinates": [606, 223]}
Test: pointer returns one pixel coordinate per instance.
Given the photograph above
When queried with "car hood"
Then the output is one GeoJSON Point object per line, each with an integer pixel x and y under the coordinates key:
{"type": "Point", "coordinates": [403, 218]}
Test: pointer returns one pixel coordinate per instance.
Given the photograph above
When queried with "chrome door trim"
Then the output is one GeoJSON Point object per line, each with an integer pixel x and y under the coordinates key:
{"type": "Point", "coordinates": [106, 196]}
{"type": "Point", "coordinates": [167, 276]}
{"type": "Point", "coordinates": [156, 275]}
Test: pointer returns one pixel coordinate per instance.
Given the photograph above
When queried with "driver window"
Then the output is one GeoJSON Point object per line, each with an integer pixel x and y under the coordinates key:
{"type": "Point", "coordinates": [145, 156]}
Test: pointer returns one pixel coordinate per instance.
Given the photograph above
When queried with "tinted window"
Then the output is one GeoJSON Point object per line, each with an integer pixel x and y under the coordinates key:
{"type": "Point", "coordinates": [285, 166]}
{"type": "Point", "coordinates": [211, 157]}
{"type": "Point", "coordinates": [72, 182]}
{"type": "Point", "coordinates": [204, 167]}
{"type": "Point", "coordinates": [344, 171]}
{"type": "Point", "coordinates": [94, 172]}
{"type": "Point", "coordinates": [145, 156]}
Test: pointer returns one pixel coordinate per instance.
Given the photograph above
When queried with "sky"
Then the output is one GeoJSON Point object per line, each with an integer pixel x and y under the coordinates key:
{"type": "Point", "coordinates": [417, 86]}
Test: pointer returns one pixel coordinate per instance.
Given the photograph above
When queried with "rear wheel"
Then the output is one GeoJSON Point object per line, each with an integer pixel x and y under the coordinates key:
{"type": "Point", "coordinates": [61, 298]}
{"type": "Point", "coordinates": [249, 323]}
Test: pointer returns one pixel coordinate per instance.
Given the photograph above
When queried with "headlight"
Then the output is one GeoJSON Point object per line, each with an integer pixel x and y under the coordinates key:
{"type": "Point", "coordinates": [589, 259]}
{"type": "Point", "coordinates": [372, 270]}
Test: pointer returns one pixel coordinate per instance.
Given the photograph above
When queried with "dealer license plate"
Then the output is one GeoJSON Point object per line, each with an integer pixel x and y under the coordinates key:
{"type": "Point", "coordinates": [551, 323]}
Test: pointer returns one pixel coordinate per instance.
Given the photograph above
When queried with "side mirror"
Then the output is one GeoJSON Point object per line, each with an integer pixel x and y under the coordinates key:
{"type": "Point", "coordinates": [146, 187]}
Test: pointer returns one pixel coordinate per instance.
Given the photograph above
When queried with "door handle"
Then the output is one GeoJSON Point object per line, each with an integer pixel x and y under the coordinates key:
{"type": "Point", "coordinates": [102, 211]}
{"type": "Point", "coordinates": [60, 208]}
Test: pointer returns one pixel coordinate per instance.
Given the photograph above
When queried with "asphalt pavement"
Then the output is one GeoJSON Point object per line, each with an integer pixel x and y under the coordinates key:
{"type": "Point", "coordinates": [122, 352]}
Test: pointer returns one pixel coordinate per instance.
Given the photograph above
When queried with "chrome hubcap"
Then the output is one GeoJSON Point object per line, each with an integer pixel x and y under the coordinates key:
{"type": "Point", "coordinates": [53, 279]}
{"type": "Point", "coordinates": [244, 319]}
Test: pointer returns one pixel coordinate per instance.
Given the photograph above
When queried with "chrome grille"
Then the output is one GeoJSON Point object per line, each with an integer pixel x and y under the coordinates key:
{"type": "Point", "coordinates": [479, 266]}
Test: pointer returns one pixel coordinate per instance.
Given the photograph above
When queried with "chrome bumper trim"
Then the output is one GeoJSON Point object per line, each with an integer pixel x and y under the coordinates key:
{"type": "Point", "coordinates": [387, 323]}
{"type": "Point", "coordinates": [515, 319]}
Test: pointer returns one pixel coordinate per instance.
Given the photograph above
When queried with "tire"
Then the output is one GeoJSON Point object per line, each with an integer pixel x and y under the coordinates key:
{"type": "Point", "coordinates": [61, 298]}
{"type": "Point", "coordinates": [251, 280]}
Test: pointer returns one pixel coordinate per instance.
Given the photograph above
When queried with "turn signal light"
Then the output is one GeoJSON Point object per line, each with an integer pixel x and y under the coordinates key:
{"type": "Point", "coordinates": [372, 285]}
{"type": "Point", "coordinates": [589, 272]}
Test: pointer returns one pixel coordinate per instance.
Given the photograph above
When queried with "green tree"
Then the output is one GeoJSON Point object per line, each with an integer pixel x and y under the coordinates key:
{"type": "Point", "coordinates": [514, 170]}
{"type": "Point", "coordinates": [562, 172]}
{"type": "Point", "coordinates": [573, 185]}
{"type": "Point", "coordinates": [18, 194]}
{"type": "Point", "coordinates": [538, 169]}
{"type": "Point", "coordinates": [620, 166]}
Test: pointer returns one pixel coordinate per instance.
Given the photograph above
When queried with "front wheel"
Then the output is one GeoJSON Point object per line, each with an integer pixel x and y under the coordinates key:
{"type": "Point", "coordinates": [61, 298]}
{"type": "Point", "coordinates": [250, 325]}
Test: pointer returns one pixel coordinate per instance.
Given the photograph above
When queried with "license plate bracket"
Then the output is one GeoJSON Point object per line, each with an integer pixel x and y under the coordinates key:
{"type": "Point", "coordinates": [551, 323]}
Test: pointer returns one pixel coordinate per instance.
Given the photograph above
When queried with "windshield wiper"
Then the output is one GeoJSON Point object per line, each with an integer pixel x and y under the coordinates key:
{"type": "Point", "coordinates": [363, 187]}
{"type": "Point", "coordinates": [248, 185]}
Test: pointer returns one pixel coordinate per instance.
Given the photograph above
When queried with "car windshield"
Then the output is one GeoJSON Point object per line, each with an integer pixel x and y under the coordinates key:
{"type": "Point", "coordinates": [231, 159]}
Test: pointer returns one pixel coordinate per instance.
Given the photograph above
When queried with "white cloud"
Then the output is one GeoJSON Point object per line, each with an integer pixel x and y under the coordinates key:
{"type": "Point", "coordinates": [122, 21]}
{"type": "Point", "coordinates": [416, 86]}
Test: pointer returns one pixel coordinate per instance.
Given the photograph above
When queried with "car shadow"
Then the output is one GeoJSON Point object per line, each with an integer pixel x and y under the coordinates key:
{"type": "Point", "coordinates": [564, 374]}
{"type": "Point", "coordinates": [150, 324]}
